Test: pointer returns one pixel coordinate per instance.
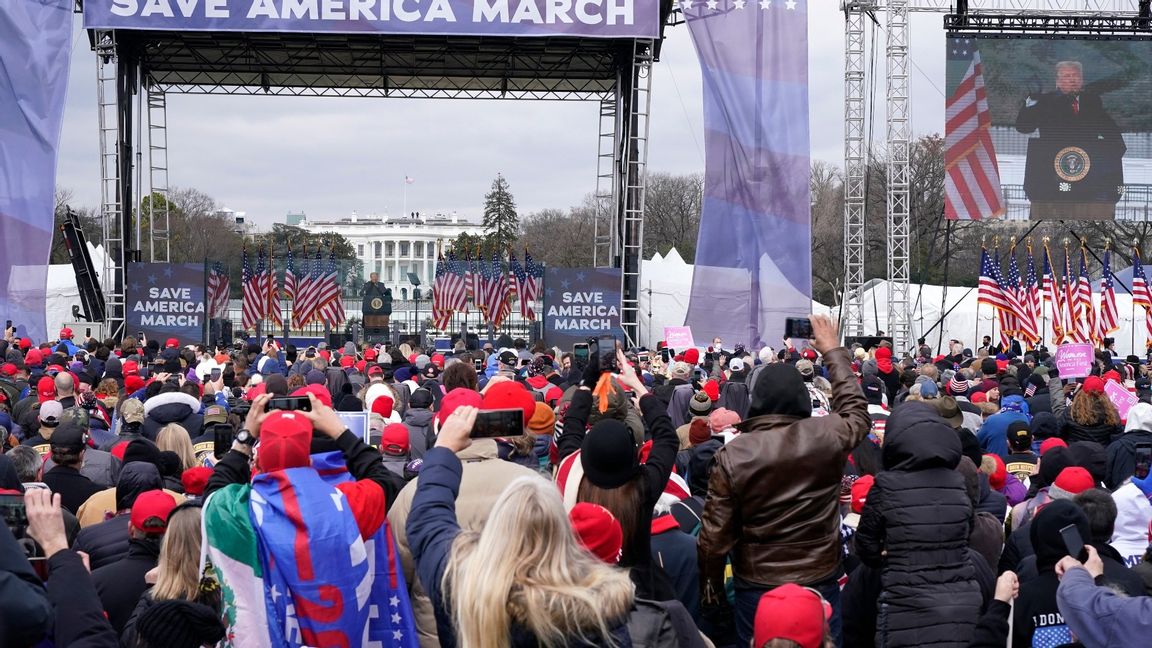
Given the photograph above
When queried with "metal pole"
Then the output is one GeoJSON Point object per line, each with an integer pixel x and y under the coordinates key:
{"type": "Point", "coordinates": [944, 297]}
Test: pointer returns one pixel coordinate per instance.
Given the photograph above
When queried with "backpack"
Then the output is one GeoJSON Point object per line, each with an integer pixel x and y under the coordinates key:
{"type": "Point", "coordinates": [662, 624]}
{"type": "Point", "coordinates": [736, 397]}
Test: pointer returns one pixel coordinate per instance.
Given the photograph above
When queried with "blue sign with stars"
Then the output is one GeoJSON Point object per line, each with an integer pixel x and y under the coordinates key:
{"type": "Point", "coordinates": [580, 303]}
{"type": "Point", "coordinates": [166, 300]}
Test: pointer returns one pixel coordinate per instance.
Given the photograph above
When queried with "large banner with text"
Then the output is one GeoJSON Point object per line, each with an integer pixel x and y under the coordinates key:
{"type": "Point", "coordinates": [35, 49]}
{"type": "Point", "coordinates": [580, 303]}
{"type": "Point", "coordinates": [166, 300]}
{"type": "Point", "coordinates": [584, 18]}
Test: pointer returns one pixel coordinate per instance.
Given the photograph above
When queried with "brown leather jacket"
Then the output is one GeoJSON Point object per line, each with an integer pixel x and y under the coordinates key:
{"type": "Point", "coordinates": [774, 492]}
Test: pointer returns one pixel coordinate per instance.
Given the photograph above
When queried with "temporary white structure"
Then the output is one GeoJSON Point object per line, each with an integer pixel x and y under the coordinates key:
{"type": "Point", "coordinates": [62, 291]}
{"type": "Point", "coordinates": [666, 286]}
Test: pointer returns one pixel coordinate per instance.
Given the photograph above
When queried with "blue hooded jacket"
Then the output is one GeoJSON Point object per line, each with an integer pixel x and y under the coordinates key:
{"type": "Point", "coordinates": [993, 434]}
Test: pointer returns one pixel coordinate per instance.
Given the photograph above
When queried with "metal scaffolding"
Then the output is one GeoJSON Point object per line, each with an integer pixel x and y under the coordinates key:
{"type": "Point", "coordinates": [899, 139]}
{"type": "Point", "coordinates": [159, 244]}
{"type": "Point", "coordinates": [855, 111]}
{"type": "Point", "coordinates": [634, 164]}
{"type": "Point", "coordinates": [108, 86]}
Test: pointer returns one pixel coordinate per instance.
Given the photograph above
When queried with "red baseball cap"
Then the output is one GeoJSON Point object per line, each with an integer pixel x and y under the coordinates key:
{"type": "Point", "coordinates": [33, 358]}
{"type": "Point", "coordinates": [459, 397]}
{"type": "Point", "coordinates": [171, 343]}
{"type": "Point", "coordinates": [394, 441]}
{"type": "Point", "coordinates": [322, 393]}
{"type": "Point", "coordinates": [46, 389]}
{"type": "Point", "coordinates": [375, 370]}
{"type": "Point", "coordinates": [347, 361]}
{"type": "Point", "coordinates": [130, 367]}
{"type": "Point", "coordinates": [150, 511]}
{"type": "Point", "coordinates": [25, 343]}
{"type": "Point", "coordinates": [794, 613]}
{"type": "Point", "coordinates": [8, 369]}
{"type": "Point", "coordinates": [195, 480]}
{"type": "Point", "coordinates": [370, 354]}
{"type": "Point", "coordinates": [712, 388]}
{"type": "Point", "coordinates": [382, 405]}
{"type": "Point", "coordinates": [1094, 384]}
{"type": "Point", "coordinates": [1053, 442]}
{"type": "Point", "coordinates": [65, 333]}
{"type": "Point", "coordinates": [438, 360]}
{"type": "Point", "coordinates": [360, 365]}
{"type": "Point", "coordinates": [509, 395]}
{"type": "Point", "coordinates": [285, 441]}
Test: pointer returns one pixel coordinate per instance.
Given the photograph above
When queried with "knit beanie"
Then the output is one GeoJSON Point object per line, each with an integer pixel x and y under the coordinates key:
{"type": "Point", "coordinates": [598, 531]}
{"type": "Point", "coordinates": [699, 431]}
{"type": "Point", "coordinates": [1071, 481]}
{"type": "Point", "coordinates": [1044, 532]}
{"type": "Point", "coordinates": [700, 405]}
{"type": "Point", "coordinates": [543, 421]}
{"type": "Point", "coordinates": [608, 454]}
{"type": "Point", "coordinates": [1049, 444]}
{"type": "Point", "coordinates": [179, 624]}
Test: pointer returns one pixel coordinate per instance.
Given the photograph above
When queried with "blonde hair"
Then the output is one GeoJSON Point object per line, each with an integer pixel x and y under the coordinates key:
{"type": "Point", "coordinates": [175, 438]}
{"type": "Point", "coordinates": [178, 571]}
{"type": "Point", "coordinates": [526, 567]}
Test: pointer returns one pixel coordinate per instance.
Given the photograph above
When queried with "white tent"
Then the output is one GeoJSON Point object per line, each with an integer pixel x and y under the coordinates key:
{"type": "Point", "coordinates": [666, 286]}
{"type": "Point", "coordinates": [62, 291]}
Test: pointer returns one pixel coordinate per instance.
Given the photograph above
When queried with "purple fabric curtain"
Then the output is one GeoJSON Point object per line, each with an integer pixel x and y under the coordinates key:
{"type": "Point", "coordinates": [35, 46]}
{"type": "Point", "coordinates": [753, 253]}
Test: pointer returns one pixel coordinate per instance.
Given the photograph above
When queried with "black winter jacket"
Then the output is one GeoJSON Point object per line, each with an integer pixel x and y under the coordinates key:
{"type": "Point", "coordinates": [107, 542]}
{"type": "Point", "coordinates": [919, 512]}
{"type": "Point", "coordinates": [25, 613]}
{"type": "Point", "coordinates": [1122, 457]}
{"type": "Point", "coordinates": [121, 583]}
{"type": "Point", "coordinates": [172, 407]}
{"type": "Point", "coordinates": [80, 621]}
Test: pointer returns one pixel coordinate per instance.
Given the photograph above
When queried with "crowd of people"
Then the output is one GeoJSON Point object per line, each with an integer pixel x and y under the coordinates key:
{"type": "Point", "coordinates": [175, 495]}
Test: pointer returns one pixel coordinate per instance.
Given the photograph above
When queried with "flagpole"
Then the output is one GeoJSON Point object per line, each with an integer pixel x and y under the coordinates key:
{"type": "Point", "coordinates": [405, 191]}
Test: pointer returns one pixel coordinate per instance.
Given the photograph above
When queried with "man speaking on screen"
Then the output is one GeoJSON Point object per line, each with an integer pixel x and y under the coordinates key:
{"type": "Point", "coordinates": [1077, 156]}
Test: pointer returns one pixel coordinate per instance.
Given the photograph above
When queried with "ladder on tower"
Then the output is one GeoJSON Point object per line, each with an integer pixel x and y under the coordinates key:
{"type": "Point", "coordinates": [159, 243]}
{"type": "Point", "coordinates": [112, 232]}
{"type": "Point", "coordinates": [634, 182]}
{"type": "Point", "coordinates": [607, 158]}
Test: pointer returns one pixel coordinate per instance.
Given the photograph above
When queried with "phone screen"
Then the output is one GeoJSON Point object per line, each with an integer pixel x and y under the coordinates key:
{"type": "Point", "coordinates": [606, 347]}
{"type": "Point", "coordinates": [798, 327]}
{"type": "Point", "coordinates": [290, 403]}
{"type": "Point", "coordinates": [498, 423]}
{"type": "Point", "coordinates": [478, 364]}
{"type": "Point", "coordinates": [1143, 459]}
{"type": "Point", "coordinates": [222, 437]}
{"type": "Point", "coordinates": [216, 374]}
{"type": "Point", "coordinates": [1073, 543]}
{"type": "Point", "coordinates": [580, 351]}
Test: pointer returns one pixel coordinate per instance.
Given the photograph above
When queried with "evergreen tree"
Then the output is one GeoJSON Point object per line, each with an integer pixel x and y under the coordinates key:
{"type": "Point", "coordinates": [501, 223]}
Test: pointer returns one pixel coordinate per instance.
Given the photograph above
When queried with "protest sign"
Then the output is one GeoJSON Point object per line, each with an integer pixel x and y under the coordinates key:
{"type": "Point", "coordinates": [678, 337]}
{"type": "Point", "coordinates": [1074, 360]}
{"type": "Point", "coordinates": [1120, 397]}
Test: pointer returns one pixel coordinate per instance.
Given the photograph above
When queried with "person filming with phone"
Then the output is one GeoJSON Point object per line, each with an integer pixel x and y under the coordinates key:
{"type": "Point", "coordinates": [773, 494]}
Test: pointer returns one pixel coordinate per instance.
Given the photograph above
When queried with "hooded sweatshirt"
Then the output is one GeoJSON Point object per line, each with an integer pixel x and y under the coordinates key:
{"type": "Point", "coordinates": [993, 434]}
{"type": "Point", "coordinates": [1122, 452]}
{"type": "Point", "coordinates": [1037, 618]}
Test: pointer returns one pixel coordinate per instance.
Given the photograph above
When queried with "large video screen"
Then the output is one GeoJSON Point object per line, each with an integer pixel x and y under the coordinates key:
{"type": "Point", "coordinates": [1044, 128]}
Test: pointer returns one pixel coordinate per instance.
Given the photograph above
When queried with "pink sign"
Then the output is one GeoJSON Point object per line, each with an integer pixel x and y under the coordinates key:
{"type": "Point", "coordinates": [1075, 360]}
{"type": "Point", "coordinates": [1120, 397]}
{"type": "Point", "coordinates": [679, 337]}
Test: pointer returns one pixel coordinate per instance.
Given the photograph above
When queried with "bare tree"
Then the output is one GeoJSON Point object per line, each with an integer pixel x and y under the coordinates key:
{"type": "Point", "coordinates": [827, 189]}
{"type": "Point", "coordinates": [558, 238]}
{"type": "Point", "coordinates": [672, 207]}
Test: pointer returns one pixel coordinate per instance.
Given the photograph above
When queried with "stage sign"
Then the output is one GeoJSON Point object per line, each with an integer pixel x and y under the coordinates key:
{"type": "Point", "coordinates": [1048, 128]}
{"type": "Point", "coordinates": [166, 300]}
{"type": "Point", "coordinates": [580, 303]}
{"type": "Point", "coordinates": [1075, 359]}
{"type": "Point", "coordinates": [582, 18]}
{"type": "Point", "coordinates": [679, 337]}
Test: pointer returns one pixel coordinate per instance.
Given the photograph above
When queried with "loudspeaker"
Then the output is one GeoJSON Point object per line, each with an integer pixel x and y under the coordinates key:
{"type": "Point", "coordinates": [223, 331]}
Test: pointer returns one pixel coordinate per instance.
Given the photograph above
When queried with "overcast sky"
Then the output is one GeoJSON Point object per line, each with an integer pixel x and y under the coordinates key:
{"type": "Point", "coordinates": [268, 156]}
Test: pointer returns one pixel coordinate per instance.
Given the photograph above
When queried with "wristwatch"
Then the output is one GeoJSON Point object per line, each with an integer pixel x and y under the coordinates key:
{"type": "Point", "coordinates": [245, 437]}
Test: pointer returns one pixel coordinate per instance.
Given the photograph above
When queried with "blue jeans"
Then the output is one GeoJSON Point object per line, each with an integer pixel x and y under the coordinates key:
{"type": "Point", "coordinates": [748, 598]}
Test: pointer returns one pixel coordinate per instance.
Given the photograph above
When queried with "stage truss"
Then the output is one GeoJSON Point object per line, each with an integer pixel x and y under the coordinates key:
{"type": "Point", "coordinates": [1107, 18]}
{"type": "Point", "coordinates": [137, 70]}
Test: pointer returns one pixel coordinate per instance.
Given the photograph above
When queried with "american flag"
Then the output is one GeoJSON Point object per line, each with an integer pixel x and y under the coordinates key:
{"type": "Point", "coordinates": [253, 297]}
{"type": "Point", "coordinates": [972, 183]}
{"type": "Point", "coordinates": [1054, 296]}
{"type": "Point", "coordinates": [289, 276]}
{"type": "Point", "coordinates": [1026, 326]}
{"type": "Point", "coordinates": [495, 291]}
{"type": "Point", "coordinates": [309, 293]}
{"type": "Point", "coordinates": [1087, 322]}
{"type": "Point", "coordinates": [990, 291]}
{"type": "Point", "coordinates": [441, 314]}
{"type": "Point", "coordinates": [302, 285]}
{"type": "Point", "coordinates": [519, 279]}
{"type": "Point", "coordinates": [1141, 294]}
{"type": "Point", "coordinates": [1109, 320]}
{"type": "Point", "coordinates": [1007, 316]}
{"type": "Point", "coordinates": [219, 288]}
{"type": "Point", "coordinates": [273, 294]}
{"type": "Point", "coordinates": [1030, 300]}
{"type": "Point", "coordinates": [475, 280]}
{"type": "Point", "coordinates": [530, 292]}
{"type": "Point", "coordinates": [331, 307]}
{"type": "Point", "coordinates": [452, 286]}
{"type": "Point", "coordinates": [1072, 328]}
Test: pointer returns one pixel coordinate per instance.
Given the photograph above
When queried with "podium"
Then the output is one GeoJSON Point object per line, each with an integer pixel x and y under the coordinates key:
{"type": "Point", "coordinates": [377, 313]}
{"type": "Point", "coordinates": [1073, 178]}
